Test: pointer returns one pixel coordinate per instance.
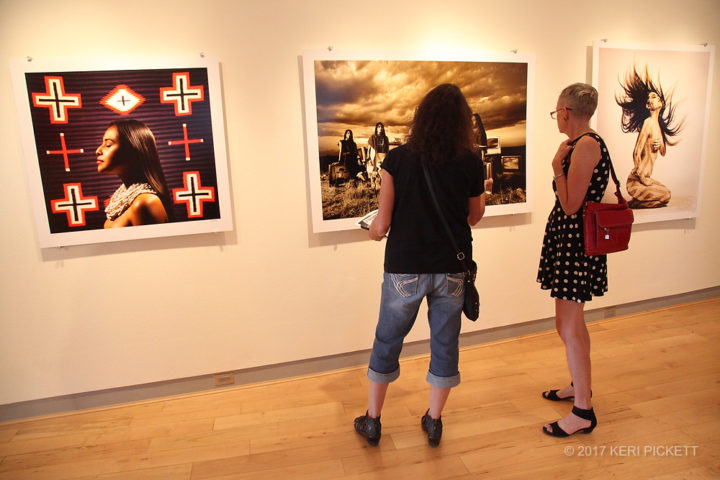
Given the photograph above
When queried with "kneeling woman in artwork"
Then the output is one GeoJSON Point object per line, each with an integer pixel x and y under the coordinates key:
{"type": "Point", "coordinates": [128, 150]}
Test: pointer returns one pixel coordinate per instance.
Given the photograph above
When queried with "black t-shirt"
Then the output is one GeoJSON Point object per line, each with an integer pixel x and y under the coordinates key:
{"type": "Point", "coordinates": [417, 241]}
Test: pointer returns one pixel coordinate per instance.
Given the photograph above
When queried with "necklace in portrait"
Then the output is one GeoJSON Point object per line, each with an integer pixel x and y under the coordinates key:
{"type": "Point", "coordinates": [123, 198]}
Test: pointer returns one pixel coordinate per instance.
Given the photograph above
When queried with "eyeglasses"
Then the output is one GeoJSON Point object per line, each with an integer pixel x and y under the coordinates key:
{"type": "Point", "coordinates": [554, 112]}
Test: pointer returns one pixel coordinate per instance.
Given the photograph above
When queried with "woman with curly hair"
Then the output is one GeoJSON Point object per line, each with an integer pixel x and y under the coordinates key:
{"type": "Point", "coordinates": [419, 259]}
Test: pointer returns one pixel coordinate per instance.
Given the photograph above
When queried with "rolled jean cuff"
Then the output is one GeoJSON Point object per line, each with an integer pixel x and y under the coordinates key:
{"type": "Point", "coordinates": [383, 377]}
{"type": "Point", "coordinates": [443, 382]}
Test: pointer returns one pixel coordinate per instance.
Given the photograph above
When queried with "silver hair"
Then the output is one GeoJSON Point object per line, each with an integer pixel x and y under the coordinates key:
{"type": "Point", "coordinates": [581, 98]}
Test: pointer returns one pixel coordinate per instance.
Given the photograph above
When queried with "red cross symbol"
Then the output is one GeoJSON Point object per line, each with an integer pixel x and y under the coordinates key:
{"type": "Point", "coordinates": [56, 100]}
{"type": "Point", "coordinates": [64, 152]}
{"type": "Point", "coordinates": [182, 94]}
{"type": "Point", "coordinates": [194, 194]}
{"type": "Point", "coordinates": [185, 141]}
{"type": "Point", "coordinates": [74, 204]}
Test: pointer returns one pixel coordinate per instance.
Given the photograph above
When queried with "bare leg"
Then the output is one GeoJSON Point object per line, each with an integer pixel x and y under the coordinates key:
{"type": "Point", "coordinates": [438, 397]}
{"type": "Point", "coordinates": [376, 398]}
{"type": "Point", "coordinates": [570, 323]}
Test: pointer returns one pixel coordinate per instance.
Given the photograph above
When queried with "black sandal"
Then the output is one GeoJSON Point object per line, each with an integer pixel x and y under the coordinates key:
{"type": "Point", "coordinates": [556, 431]}
{"type": "Point", "coordinates": [552, 395]}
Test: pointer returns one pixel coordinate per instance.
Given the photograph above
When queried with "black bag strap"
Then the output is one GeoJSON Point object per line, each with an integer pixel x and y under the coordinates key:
{"type": "Point", "coordinates": [599, 139]}
{"type": "Point", "coordinates": [460, 254]}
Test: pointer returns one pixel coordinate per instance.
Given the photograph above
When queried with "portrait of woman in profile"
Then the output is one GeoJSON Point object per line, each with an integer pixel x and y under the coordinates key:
{"type": "Point", "coordinates": [128, 150]}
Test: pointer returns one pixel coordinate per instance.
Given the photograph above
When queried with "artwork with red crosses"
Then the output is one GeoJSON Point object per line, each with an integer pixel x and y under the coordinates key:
{"type": "Point", "coordinates": [70, 112]}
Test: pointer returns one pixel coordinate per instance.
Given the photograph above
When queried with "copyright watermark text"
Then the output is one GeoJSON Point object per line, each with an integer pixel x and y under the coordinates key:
{"type": "Point", "coordinates": [631, 451]}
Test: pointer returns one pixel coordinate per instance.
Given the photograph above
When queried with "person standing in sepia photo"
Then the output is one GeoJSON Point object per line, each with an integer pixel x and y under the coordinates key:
{"type": "Point", "coordinates": [378, 146]}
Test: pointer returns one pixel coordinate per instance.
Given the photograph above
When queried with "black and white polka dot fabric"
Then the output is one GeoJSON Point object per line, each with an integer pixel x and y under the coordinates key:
{"type": "Point", "coordinates": [564, 269]}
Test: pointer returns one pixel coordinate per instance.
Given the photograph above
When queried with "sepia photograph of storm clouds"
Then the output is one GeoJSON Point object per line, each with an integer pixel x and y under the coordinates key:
{"type": "Point", "coordinates": [355, 94]}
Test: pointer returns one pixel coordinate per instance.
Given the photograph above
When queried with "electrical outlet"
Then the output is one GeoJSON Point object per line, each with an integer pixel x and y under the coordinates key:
{"type": "Point", "coordinates": [224, 379]}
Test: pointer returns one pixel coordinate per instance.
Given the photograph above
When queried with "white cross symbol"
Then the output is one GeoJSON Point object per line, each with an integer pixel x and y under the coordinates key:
{"type": "Point", "coordinates": [74, 204]}
{"type": "Point", "coordinates": [194, 194]}
{"type": "Point", "coordinates": [56, 100]}
{"type": "Point", "coordinates": [182, 94]}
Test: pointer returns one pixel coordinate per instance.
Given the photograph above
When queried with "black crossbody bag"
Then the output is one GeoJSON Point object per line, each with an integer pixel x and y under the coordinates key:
{"type": "Point", "coordinates": [471, 303]}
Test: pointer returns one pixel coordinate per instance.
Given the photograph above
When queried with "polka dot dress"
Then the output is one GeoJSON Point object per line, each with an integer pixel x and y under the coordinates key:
{"type": "Point", "coordinates": [564, 269]}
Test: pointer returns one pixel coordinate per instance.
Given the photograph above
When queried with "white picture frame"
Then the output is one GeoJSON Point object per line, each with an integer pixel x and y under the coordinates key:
{"type": "Point", "coordinates": [684, 73]}
{"type": "Point", "coordinates": [349, 90]}
{"type": "Point", "coordinates": [187, 125]}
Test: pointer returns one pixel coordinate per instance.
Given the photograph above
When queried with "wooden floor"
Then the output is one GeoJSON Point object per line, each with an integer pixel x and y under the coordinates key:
{"type": "Point", "coordinates": [656, 393]}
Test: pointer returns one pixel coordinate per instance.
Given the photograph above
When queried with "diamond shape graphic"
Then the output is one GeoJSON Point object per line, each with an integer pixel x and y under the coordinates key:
{"type": "Point", "coordinates": [122, 99]}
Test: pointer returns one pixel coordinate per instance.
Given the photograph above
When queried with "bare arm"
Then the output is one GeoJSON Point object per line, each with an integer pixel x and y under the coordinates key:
{"type": "Point", "coordinates": [641, 142]}
{"type": "Point", "coordinates": [476, 207]}
{"type": "Point", "coordinates": [571, 189]}
{"type": "Point", "coordinates": [381, 224]}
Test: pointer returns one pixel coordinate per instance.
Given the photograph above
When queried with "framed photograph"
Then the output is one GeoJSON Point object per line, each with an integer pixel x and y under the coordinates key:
{"type": "Point", "coordinates": [359, 106]}
{"type": "Point", "coordinates": [653, 113]}
{"type": "Point", "coordinates": [136, 143]}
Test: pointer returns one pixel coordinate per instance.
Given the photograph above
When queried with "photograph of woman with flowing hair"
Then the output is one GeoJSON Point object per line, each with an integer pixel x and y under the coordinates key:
{"type": "Point", "coordinates": [646, 109]}
{"type": "Point", "coordinates": [128, 150]}
{"type": "Point", "coordinates": [653, 112]}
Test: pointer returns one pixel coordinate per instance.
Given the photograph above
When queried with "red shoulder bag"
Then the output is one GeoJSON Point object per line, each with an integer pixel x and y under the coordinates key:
{"type": "Point", "coordinates": [607, 226]}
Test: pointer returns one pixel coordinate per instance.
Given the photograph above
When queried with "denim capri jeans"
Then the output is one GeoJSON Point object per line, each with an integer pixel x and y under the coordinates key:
{"type": "Point", "coordinates": [402, 295]}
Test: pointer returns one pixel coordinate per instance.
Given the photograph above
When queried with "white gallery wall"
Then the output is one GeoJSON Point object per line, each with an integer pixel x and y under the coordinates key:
{"type": "Point", "coordinates": [95, 317]}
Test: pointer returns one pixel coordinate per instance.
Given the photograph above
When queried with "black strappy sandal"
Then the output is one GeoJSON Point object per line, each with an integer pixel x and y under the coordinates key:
{"type": "Point", "coordinates": [552, 395]}
{"type": "Point", "coordinates": [556, 431]}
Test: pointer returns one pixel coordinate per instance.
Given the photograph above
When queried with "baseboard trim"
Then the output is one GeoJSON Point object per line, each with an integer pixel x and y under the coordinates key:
{"type": "Point", "coordinates": [103, 398]}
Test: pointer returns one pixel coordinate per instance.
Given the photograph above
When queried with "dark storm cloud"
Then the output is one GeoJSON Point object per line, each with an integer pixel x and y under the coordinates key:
{"type": "Point", "coordinates": [360, 93]}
